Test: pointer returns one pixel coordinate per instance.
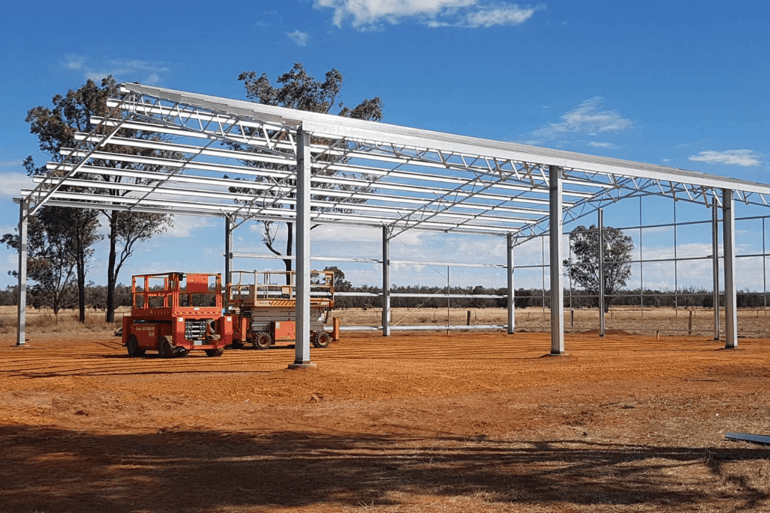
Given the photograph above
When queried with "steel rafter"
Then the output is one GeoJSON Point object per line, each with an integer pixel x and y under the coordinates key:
{"type": "Point", "coordinates": [238, 159]}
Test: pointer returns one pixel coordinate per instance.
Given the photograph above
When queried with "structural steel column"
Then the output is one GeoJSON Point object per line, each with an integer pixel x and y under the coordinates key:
{"type": "Point", "coordinates": [511, 306]}
{"type": "Point", "coordinates": [715, 263]}
{"type": "Point", "coordinates": [601, 272]}
{"type": "Point", "coordinates": [385, 282]}
{"type": "Point", "coordinates": [557, 278]}
{"type": "Point", "coordinates": [228, 254]}
{"type": "Point", "coordinates": [302, 338]}
{"type": "Point", "coordinates": [728, 239]}
{"type": "Point", "coordinates": [21, 309]}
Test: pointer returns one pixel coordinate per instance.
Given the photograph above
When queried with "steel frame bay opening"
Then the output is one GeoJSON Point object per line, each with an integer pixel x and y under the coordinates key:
{"type": "Point", "coordinates": [210, 156]}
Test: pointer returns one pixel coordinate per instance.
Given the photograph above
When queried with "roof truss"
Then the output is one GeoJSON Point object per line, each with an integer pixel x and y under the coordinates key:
{"type": "Point", "coordinates": [182, 153]}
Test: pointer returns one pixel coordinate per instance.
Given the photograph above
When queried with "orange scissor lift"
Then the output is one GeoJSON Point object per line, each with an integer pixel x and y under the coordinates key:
{"type": "Point", "coordinates": [175, 313]}
{"type": "Point", "coordinates": [265, 304]}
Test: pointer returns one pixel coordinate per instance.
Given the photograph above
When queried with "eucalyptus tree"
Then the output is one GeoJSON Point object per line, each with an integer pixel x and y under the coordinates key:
{"type": "Point", "coordinates": [55, 129]}
{"type": "Point", "coordinates": [584, 269]}
{"type": "Point", "coordinates": [52, 258]}
{"type": "Point", "coordinates": [296, 89]}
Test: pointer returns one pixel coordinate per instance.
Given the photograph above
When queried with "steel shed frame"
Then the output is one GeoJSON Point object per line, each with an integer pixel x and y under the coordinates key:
{"type": "Point", "coordinates": [209, 156]}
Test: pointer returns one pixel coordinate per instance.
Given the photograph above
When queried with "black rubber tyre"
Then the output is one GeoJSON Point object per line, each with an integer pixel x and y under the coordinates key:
{"type": "Point", "coordinates": [133, 347]}
{"type": "Point", "coordinates": [262, 340]}
{"type": "Point", "coordinates": [164, 348]}
{"type": "Point", "coordinates": [321, 339]}
{"type": "Point", "coordinates": [215, 352]}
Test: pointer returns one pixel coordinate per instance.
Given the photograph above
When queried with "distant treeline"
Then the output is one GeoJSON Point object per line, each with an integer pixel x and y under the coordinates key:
{"type": "Point", "coordinates": [96, 298]}
{"type": "Point", "coordinates": [524, 298]}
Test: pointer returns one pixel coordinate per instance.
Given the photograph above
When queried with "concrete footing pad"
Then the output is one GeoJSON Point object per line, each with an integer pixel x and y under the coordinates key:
{"type": "Point", "coordinates": [308, 365]}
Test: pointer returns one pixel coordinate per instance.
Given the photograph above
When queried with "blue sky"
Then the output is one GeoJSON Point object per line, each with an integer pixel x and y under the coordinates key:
{"type": "Point", "coordinates": [683, 84]}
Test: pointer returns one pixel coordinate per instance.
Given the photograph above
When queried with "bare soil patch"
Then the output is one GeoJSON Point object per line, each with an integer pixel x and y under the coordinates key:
{"type": "Point", "coordinates": [414, 422]}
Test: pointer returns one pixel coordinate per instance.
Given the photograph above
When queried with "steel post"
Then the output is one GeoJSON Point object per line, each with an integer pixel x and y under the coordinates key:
{"type": "Point", "coordinates": [448, 302]}
{"type": "Point", "coordinates": [302, 339]}
{"type": "Point", "coordinates": [385, 282]}
{"type": "Point", "coordinates": [641, 261]}
{"type": "Point", "coordinates": [728, 240]}
{"type": "Point", "coordinates": [21, 309]}
{"type": "Point", "coordinates": [676, 267]}
{"type": "Point", "coordinates": [557, 289]}
{"type": "Point", "coordinates": [228, 256]}
{"type": "Point", "coordinates": [715, 263]}
{"type": "Point", "coordinates": [601, 271]}
{"type": "Point", "coordinates": [511, 293]}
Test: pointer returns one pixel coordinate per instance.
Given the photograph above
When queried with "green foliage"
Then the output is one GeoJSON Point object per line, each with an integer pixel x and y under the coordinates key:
{"type": "Point", "coordinates": [296, 89]}
{"type": "Point", "coordinates": [51, 258]}
{"type": "Point", "coordinates": [341, 285]}
{"type": "Point", "coordinates": [301, 91]}
{"type": "Point", "coordinates": [584, 269]}
{"type": "Point", "coordinates": [55, 129]}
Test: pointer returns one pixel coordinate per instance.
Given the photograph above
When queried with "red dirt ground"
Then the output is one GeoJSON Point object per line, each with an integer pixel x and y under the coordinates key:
{"type": "Point", "coordinates": [414, 422]}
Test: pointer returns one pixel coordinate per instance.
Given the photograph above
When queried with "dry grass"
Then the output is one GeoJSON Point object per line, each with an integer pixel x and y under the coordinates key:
{"type": "Point", "coordinates": [648, 321]}
{"type": "Point", "coordinates": [44, 321]}
{"type": "Point", "coordinates": [666, 321]}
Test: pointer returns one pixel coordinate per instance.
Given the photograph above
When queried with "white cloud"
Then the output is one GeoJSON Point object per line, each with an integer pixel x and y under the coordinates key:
{"type": "Point", "coordinates": [743, 158]}
{"type": "Point", "coordinates": [497, 14]}
{"type": "Point", "coordinates": [11, 163]}
{"type": "Point", "coordinates": [367, 14]}
{"type": "Point", "coordinates": [339, 233]}
{"type": "Point", "coordinates": [587, 118]}
{"type": "Point", "coordinates": [74, 62]}
{"type": "Point", "coordinates": [10, 261]}
{"type": "Point", "coordinates": [185, 226]}
{"type": "Point", "coordinates": [12, 183]}
{"type": "Point", "coordinates": [147, 72]}
{"type": "Point", "coordinates": [602, 145]}
{"type": "Point", "coordinates": [300, 38]}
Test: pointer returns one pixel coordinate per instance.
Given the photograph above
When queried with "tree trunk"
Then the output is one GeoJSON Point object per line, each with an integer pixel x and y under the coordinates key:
{"type": "Point", "coordinates": [81, 269]}
{"type": "Point", "coordinates": [110, 317]}
{"type": "Point", "coordinates": [80, 259]}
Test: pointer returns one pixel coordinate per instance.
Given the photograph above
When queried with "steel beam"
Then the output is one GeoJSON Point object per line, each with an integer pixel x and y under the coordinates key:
{"type": "Point", "coordinates": [385, 281]}
{"type": "Point", "coordinates": [358, 130]}
{"type": "Point", "coordinates": [748, 437]}
{"type": "Point", "coordinates": [21, 309]}
{"type": "Point", "coordinates": [511, 291]}
{"type": "Point", "coordinates": [302, 313]}
{"type": "Point", "coordinates": [557, 276]}
{"type": "Point", "coordinates": [408, 178]}
{"type": "Point", "coordinates": [728, 239]}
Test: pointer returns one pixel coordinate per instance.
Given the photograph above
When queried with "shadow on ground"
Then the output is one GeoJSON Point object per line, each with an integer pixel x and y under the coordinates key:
{"type": "Point", "coordinates": [45, 469]}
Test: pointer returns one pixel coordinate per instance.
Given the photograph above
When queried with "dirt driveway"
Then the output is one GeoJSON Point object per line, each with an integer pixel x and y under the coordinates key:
{"type": "Point", "coordinates": [414, 422]}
